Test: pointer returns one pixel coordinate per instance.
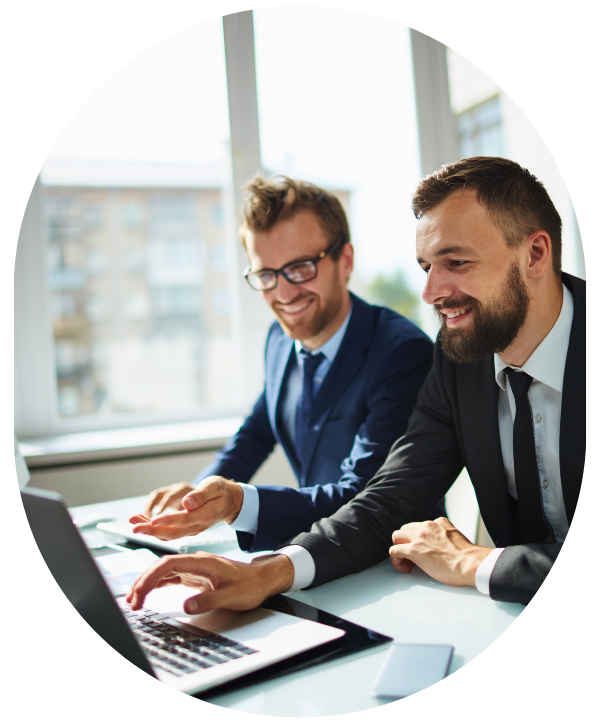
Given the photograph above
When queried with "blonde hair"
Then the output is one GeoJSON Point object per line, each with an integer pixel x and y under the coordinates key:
{"type": "Point", "coordinates": [280, 198]}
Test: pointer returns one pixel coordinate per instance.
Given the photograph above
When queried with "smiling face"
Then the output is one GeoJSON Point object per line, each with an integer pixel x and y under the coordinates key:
{"type": "Point", "coordinates": [474, 280]}
{"type": "Point", "coordinates": [312, 311]}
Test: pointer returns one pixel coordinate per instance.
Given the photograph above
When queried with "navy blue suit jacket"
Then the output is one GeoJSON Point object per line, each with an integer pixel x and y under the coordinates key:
{"type": "Point", "coordinates": [362, 407]}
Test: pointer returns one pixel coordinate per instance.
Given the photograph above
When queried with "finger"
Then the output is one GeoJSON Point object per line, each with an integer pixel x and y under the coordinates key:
{"type": "Point", "coordinates": [228, 597]}
{"type": "Point", "coordinates": [407, 533]}
{"type": "Point", "coordinates": [139, 518]}
{"type": "Point", "coordinates": [202, 603]}
{"type": "Point", "coordinates": [175, 519]}
{"type": "Point", "coordinates": [173, 499]}
{"type": "Point", "coordinates": [200, 496]}
{"type": "Point", "coordinates": [153, 499]}
{"type": "Point", "coordinates": [164, 569]}
{"type": "Point", "coordinates": [399, 558]}
{"type": "Point", "coordinates": [404, 566]}
{"type": "Point", "coordinates": [444, 522]}
{"type": "Point", "coordinates": [166, 533]}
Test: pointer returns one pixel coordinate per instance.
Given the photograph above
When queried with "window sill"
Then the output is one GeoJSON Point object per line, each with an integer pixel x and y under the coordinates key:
{"type": "Point", "coordinates": [118, 444]}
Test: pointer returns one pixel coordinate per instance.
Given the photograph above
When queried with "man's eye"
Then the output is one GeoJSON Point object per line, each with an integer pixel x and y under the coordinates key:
{"type": "Point", "coordinates": [426, 269]}
{"type": "Point", "coordinates": [458, 264]}
{"type": "Point", "coordinates": [300, 271]}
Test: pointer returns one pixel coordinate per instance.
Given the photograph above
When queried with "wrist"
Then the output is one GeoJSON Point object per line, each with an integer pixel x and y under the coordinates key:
{"type": "Point", "coordinates": [236, 500]}
{"type": "Point", "coordinates": [471, 562]}
{"type": "Point", "coordinates": [276, 573]}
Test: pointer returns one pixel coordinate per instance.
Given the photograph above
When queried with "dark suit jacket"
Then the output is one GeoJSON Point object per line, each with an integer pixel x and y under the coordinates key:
{"type": "Point", "coordinates": [362, 407]}
{"type": "Point", "coordinates": [455, 425]}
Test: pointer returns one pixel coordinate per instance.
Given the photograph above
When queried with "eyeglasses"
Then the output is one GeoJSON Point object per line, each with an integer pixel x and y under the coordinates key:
{"type": "Point", "coordinates": [296, 273]}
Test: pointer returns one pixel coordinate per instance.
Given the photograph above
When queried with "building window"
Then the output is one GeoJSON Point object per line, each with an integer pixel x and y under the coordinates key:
{"type": "Point", "coordinates": [480, 130]}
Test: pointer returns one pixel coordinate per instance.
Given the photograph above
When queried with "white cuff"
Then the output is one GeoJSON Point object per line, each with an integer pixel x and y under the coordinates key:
{"type": "Point", "coordinates": [304, 565]}
{"type": "Point", "coordinates": [247, 520]}
{"type": "Point", "coordinates": [484, 571]}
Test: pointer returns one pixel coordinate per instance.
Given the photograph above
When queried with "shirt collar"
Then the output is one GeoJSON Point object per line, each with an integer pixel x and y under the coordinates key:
{"type": "Point", "coordinates": [547, 363]}
{"type": "Point", "coordinates": [331, 346]}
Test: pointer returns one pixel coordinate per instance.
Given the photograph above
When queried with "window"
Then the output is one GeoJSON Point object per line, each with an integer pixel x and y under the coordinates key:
{"type": "Point", "coordinates": [480, 130]}
{"type": "Point", "coordinates": [130, 304]}
{"type": "Point", "coordinates": [342, 115]}
{"type": "Point", "coordinates": [132, 223]}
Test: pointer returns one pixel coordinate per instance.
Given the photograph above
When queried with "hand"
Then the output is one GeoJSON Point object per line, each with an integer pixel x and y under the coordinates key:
{"type": "Point", "coordinates": [164, 497]}
{"type": "Point", "coordinates": [222, 583]}
{"type": "Point", "coordinates": [216, 499]}
{"type": "Point", "coordinates": [439, 549]}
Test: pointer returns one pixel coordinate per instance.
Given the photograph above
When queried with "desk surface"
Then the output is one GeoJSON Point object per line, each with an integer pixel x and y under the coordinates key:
{"type": "Point", "coordinates": [409, 608]}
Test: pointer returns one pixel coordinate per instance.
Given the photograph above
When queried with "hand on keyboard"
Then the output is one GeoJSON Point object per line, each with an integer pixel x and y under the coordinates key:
{"type": "Point", "coordinates": [222, 583]}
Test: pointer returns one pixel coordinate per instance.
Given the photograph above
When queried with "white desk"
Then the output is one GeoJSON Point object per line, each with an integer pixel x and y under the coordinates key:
{"type": "Point", "coordinates": [410, 608]}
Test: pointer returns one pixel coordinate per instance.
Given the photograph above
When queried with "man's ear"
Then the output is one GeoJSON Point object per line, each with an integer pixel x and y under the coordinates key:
{"type": "Point", "coordinates": [346, 260]}
{"type": "Point", "coordinates": [539, 253]}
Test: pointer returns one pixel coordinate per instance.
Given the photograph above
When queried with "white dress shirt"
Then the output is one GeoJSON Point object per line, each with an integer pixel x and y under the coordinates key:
{"type": "Point", "coordinates": [247, 520]}
{"type": "Point", "coordinates": [547, 367]}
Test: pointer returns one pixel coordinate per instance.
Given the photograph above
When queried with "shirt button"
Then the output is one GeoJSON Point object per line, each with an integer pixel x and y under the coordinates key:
{"type": "Point", "coordinates": [316, 428]}
{"type": "Point", "coordinates": [538, 417]}
{"type": "Point", "coordinates": [560, 535]}
{"type": "Point", "coordinates": [545, 484]}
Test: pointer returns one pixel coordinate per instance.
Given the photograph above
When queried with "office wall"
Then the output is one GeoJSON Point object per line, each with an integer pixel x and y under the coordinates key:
{"type": "Point", "coordinates": [83, 484]}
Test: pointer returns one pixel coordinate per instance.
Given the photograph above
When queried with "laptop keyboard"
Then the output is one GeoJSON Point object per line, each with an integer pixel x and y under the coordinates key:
{"type": "Point", "coordinates": [177, 650]}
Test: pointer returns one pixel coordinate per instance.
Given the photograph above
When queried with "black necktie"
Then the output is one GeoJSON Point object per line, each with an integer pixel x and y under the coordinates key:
{"type": "Point", "coordinates": [533, 527]}
{"type": "Point", "coordinates": [308, 366]}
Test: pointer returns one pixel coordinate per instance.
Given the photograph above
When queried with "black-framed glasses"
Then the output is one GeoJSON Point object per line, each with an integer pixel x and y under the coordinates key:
{"type": "Point", "coordinates": [296, 273]}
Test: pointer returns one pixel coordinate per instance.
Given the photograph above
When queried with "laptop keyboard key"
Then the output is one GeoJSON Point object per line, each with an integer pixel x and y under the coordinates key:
{"type": "Point", "coordinates": [177, 650]}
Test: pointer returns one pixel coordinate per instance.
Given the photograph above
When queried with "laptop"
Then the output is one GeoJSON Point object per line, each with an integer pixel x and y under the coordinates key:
{"type": "Point", "coordinates": [189, 653]}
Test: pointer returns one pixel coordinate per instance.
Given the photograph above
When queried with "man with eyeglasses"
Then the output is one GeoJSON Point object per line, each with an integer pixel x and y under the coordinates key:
{"type": "Point", "coordinates": [342, 378]}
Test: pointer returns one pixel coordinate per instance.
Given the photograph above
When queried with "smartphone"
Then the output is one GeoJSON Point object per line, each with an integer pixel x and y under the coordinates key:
{"type": "Point", "coordinates": [410, 668]}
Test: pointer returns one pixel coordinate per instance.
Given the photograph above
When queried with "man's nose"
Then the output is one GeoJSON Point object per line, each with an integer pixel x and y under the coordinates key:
{"type": "Point", "coordinates": [437, 287]}
{"type": "Point", "coordinates": [285, 291]}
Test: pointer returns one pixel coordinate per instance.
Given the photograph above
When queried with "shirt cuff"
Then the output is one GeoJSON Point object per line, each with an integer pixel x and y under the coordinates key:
{"type": "Point", "coordinates": [303, 563]}
{"type": "Point", "coordinates": [247, 520]}
{"type": "Point", "coordinates": [484, 571]}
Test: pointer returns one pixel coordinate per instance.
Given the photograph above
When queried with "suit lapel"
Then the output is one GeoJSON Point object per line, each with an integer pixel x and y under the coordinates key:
{"type": "Point", "coordinates": [278, 358]}
{"type": "Point", "coordinates": [478, 408]}
{"type": "Point", "coordinates": [347, 364]}
{"type": "Point", "coordinates": [572, 416]}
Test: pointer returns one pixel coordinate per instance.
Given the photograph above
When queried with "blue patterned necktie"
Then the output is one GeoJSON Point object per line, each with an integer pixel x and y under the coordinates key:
{"type": "Point", "coordinates": [308, 366]}
{"type": "Point", "coordinates": [531, 516]}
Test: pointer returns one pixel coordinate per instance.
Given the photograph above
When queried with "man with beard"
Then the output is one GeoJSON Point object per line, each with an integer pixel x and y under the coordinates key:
{"type": "Point", "coordinates": [505, 399]}
{"type": "Point", "coordinates": [342, 378]}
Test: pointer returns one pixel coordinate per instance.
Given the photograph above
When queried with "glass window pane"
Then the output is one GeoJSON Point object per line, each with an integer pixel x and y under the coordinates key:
{"type": "Point", "coordinates": [137, 244]}
{"type": "Point", "coordinates": [336, 107]}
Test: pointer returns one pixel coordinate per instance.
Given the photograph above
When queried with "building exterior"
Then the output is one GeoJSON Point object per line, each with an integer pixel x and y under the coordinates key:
{"type": "Point", "coordinates": [139, 286]}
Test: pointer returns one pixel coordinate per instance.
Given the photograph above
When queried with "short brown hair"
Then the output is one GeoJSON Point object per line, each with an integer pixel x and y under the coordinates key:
{"type": "Point", "coordinates": [280, 197]}
{"type": "Point", "coordinates": [516, 201]}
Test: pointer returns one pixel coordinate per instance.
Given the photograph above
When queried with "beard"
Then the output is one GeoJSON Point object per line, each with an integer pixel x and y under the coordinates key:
{"type": "Point", "coordinates": [495, 326]}
{"type": "Point", "coordinates": [324, 312]}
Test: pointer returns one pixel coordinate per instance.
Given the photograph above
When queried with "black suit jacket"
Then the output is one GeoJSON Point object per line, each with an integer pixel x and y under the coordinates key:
{"type": "Point", "coordinates": [455, 425]}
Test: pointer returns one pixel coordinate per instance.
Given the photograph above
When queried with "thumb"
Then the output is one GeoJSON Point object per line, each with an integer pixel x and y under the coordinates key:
{"type": "Point", "coordinates": [193, 500]}
{"type": "Point", "coordinates": [201, 603]}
